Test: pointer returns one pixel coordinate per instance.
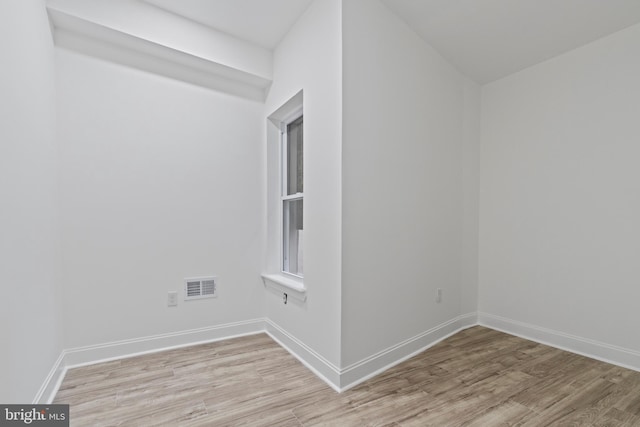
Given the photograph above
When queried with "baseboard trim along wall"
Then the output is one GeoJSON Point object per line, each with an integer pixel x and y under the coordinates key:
{"type": "Point", "coordinates": [371, 366]}
{"type": "Point", "coordinates": [117, 350]}
{"type": "Point", "coordinates": [52, 383]}
{"type": "Point", "coordinates": [608, 353]}
{"type": "Point", "coordinates": [352, 375]}
{"type": "Point", "coordinates": [340, 379]}
{"type": "Point", "coordinates": [320, 366]}
{"type": "Point", "coordinates": [89, 355]}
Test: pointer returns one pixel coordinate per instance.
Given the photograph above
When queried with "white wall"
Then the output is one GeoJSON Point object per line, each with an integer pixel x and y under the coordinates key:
{"type": "Point", "coordinates": [29, 324]}
{"type": "Point", "coordinates": [160, 180]}
{"type": "Point", "coordinates": [408, 197]}
{"type": "Point", "coordinates": [560, 193]}
{"type": "Point", "coordinates": [309, 58]}
{"type": "Point", "coordinates": [470, 163]}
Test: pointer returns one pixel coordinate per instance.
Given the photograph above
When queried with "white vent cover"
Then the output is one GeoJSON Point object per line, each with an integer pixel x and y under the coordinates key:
{"type": "Point", "coordinates": [200, 287]}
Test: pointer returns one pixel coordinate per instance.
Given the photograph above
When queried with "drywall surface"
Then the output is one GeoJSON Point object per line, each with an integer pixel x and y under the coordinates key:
{"type": "Point", "coordinates": [160, 181]}
{"type": "Point", "coordinates": [560, 193]}
{"type": "Point", "coordinates": [309, 59]}
{"type": "Point", "coordinates": [29, 326]}
{"type": "Point", "coordinates": [470, 196]}
{"type": "Point", "coordinates": [408, 201]}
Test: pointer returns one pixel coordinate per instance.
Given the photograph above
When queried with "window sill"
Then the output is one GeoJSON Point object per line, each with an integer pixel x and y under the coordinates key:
{"type": "Point", "coordinates": [283, 284]}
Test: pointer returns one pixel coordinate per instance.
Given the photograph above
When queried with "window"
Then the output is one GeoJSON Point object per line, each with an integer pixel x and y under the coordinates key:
{"type": "Point", "coordinates": [285, 201]}
{"type": "Point", "coordinates": [292, 196]}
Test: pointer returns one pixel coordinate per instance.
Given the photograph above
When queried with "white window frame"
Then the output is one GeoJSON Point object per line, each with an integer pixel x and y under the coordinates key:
{"type": "Point", "coordinates": [288, 287]}
{"type": "Point", "coordinates": [284, 173]}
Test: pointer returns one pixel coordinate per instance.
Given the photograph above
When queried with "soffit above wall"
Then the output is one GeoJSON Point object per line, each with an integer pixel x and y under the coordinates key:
{"type": "Point", "coordinates": [263, 22]}
{"type": "Point", "coordinates": [142, 36]}
{"type": "Point", "coordinates": [490, 39]}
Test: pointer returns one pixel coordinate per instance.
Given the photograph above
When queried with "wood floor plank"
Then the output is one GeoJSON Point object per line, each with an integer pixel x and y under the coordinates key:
{"type": "Point", "coordinates": [478, 377]}
{"type": "Point", "coordinates": [508, 413]}
{"type": "Point", "coordinates": [617, 418]}
{"type": "Point", "coordinates": [543, 394]}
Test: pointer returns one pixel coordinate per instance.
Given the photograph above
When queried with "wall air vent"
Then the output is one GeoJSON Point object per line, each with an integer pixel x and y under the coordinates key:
{"type": "Point", "coordinates": [200, 287]}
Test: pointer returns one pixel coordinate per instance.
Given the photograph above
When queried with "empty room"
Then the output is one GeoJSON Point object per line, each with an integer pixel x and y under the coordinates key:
{"type": "Point", "coordinates": [320, 212]}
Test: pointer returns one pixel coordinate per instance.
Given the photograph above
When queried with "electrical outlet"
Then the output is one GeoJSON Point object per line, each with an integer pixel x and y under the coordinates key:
{"type": "Point", "coordinates": [439, 295]}
{"type": "Point", "coordinates": [172, 299]}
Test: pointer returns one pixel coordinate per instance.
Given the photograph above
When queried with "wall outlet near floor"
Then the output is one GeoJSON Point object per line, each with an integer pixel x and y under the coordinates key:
{"type": "Point", "coordinates": [439, 295]}
{"type": "Point", "coordinates": [172, 299]}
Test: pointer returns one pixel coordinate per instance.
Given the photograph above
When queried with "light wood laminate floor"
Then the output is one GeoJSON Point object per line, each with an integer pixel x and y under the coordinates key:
{"type": "Point", "coordinates": [478, 377]}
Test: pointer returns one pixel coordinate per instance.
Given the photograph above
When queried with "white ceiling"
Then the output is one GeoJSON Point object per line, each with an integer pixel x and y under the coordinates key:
{"type": "Point", "coordinates": [263, 22]}
{"type": "Point", "coordinates": [490, 39]}
{"type": "Point", "coordinates": [484, 39]}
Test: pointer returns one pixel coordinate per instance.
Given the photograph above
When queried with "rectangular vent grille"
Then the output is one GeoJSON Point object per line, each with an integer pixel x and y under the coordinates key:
{"type": "Point", "coordinates": [200, 287]}
{"type": "Point", "coordinates": [208, 287]}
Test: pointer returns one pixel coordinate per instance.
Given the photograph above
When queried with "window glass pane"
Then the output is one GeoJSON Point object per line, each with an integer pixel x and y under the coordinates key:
{"type": "Point", "coordinates": [294, 157]}
{"type": "Point", "coordinates": [293, 236]}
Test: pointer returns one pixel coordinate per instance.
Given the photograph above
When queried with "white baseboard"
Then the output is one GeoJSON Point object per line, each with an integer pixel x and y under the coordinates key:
{"type": "Point", "coordinates": [373, 365]}
{"type": "Point", "coordinates": [340, 379]}
{"type": "Point", "coordinates": [346, 378]}
{"type": "Point", "coordinates": [608, 353]}
{"type": "Point", "coordinates": [320, 366]}
{"type": "Point", "coordinates": [90, 355]}
{"type": "Point", "coordinates": [127, 348]}
{"type": "Point", "coordinates": [52, 383]}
